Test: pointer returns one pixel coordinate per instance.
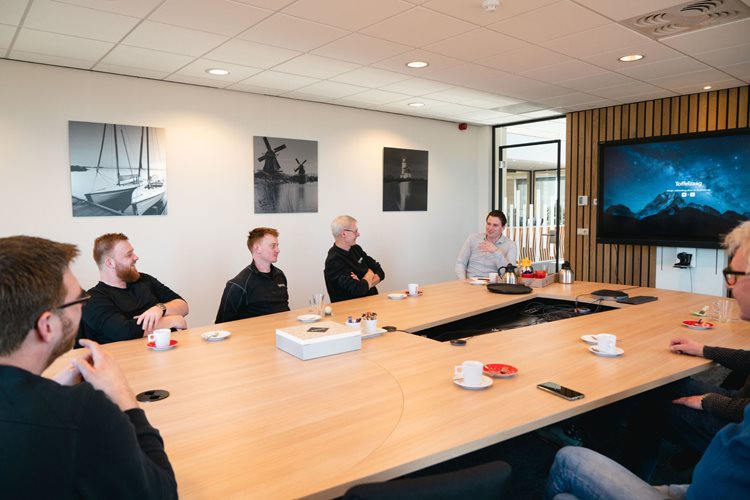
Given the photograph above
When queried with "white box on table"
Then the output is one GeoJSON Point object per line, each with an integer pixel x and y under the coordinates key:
{"type": "Point", "coordinates": [299, 342]}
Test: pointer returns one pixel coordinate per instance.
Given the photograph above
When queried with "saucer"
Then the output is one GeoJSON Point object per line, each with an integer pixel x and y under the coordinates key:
{"type": "Point", "coordinates": [499, 370]}
{"type": "Point", "coordinates": [215, 335]}
{"type": "Point", "coordinates": [618, 352]}
{"type": "Point", "coordinates": [396, 296]}
{"type": "Point", "coordinates": [308, 318]}
{"type": "Point", "coordinates": [478, 282]}
{"type": "Point", "coordinates": [590, 339]}
{"type": "Point", "coordinates": [376, 333]}
{"type": "Point", "coordinates": [695, 325]}
{"type": "Point", "coordinates": [486, 382]}
{"type": "Point", "coordinates": [152, 346]}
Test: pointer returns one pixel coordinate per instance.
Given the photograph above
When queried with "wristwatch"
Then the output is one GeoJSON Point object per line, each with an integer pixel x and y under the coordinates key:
{"type": "Point", "coordinates": [162, 307]}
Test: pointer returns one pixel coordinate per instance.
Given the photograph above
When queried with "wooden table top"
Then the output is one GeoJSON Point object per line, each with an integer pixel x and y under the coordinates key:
{"type": "Point", "coordinates": [245, 419]}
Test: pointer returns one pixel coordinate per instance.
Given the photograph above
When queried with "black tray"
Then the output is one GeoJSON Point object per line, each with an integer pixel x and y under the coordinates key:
{"type": "Point", "coordinates": [508, 288]}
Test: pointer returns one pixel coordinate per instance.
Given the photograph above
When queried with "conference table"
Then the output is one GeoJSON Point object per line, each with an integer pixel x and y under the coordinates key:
{"type": "Point", "coordinates": [247, 420]}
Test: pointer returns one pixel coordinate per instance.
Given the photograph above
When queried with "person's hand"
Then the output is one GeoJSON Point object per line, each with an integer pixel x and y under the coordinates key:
{"type": "Point", "coordinates": [354, 276]}
{"type": "Point", "coordinates": [686, 346]}
{"type": "Point", "coordinates": [375, 277]}
{"type": "Point", "coordinates": [486, 246]}
{"type": "Point", "coordinates": [148, 318]}
{"type": "Point", "coordinates": [173, 321]}
{"type": "Point", "coordinates": [102, 371]}
{"type": "Point", "coordinates": [68, 376]}
{"type": "Point", "coordinates": [694, 402]}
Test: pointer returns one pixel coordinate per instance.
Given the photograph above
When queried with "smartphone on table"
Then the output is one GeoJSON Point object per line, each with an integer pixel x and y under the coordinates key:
{"type": "Point", "coordinates": [559, 390]}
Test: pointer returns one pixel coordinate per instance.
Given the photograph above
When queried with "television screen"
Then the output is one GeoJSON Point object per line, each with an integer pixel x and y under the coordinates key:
{"type": "Point", "coordinates": [683, 190]}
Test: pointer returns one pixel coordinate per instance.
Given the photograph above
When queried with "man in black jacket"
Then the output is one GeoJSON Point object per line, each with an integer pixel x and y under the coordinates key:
{"type": "Point", "coordinates": [127, 304]}
{"type": "Point", "coordinates": [261, 287]}
{"type": "Point", "coordinates": [349, 272]}
{"type": "Point", "coordinates": [81, 435]}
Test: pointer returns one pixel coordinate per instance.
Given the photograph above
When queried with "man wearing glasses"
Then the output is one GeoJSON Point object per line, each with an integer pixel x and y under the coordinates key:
{"type": "Point", "coordinates": [81, 434]}
{"type": "Point", "coordinates": [127, 304]}
{"type": "Point", "coordinates": [349, 272]}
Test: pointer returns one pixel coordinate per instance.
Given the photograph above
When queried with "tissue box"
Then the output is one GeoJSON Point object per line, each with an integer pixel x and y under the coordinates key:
{"type": "Point", "coordinates": [299, 341]}
{"type": "Point", "coordinates": [540, 282]}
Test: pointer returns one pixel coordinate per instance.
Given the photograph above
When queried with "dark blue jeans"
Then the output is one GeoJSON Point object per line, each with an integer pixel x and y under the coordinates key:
{"type": "Point", "coordinates": [657, 418]}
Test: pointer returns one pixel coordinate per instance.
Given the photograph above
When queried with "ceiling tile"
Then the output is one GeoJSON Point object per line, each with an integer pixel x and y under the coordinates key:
{"type": "Point", "coordinates": [68, 62]}
{"type": "Point", "coordinates": [276, 80]}
{"type": "Point", "coordinates": [304, 96]}
{"type": "Point", "coordinates": [552, 21]}
{"type": "Point", "coordinates": [267, 4]}
{"type": "Point", "coordinates": [11, 11]}
{"type": "Point", "coordinates": [215, 16]}
{"type": "Point", "coordinates": [6, 36]}
{"type": "Point", "coordinates": [727, 35]}
{"type": "Point", "coordinates": [197, 80]}
{"type": "Point", "coordinates": [587, 84]}
{"type": "Point", "coordinates": [476, 44]}
{"type": "Point", "coordinates": [472, 11]}
{"type": "Point", "coordinates": [416, 86]}
{"type": "Point", "coordinates": [128, 70]}
{"type": "Point", "coordinates": [646, 96]}
{"type": "Point", "coordinates": [607, 38]}
{"type": "Point", "coordinates": [135, 57]}
{"type": "Point", "coordinates": [484, 114]}
{"type": "Point", "coordinates": [692, 80]}
{"type": "Point", "coordinates": [725, 56]}
{"type": "Point", "coordinates": [134, 8]}
{"type": "Point", "coordinates": [250, 54]}
{"type": "Point", "coordinates": [567, 70]}
{"type": "Point", "coordinates": [373, 97]}
{"type": "Point", "coordinates": [361, 49]}
{"type": "Point", "coordinates": [491, 101]}
{"type": "Point", "coordinates": [398, 63]}
{"type": "Point", "coordinates": [315, 66]}
{"type": "Point", "coordinates": [652, 71]}
{"type": "Point", "coordinates": [418, 27]}
{"type": "Point", "coordinates": [526, 59]}
{"type": "Point", "coordinates": [198, 69]}
{"type": "Point", "coordinates": [53, 44]}
{"type": "Point", "coordinates": [619, 10]}
{"type": "Point", "coordinates": [570, 100]}
{"type": "Point", "coordinates": [334, 90]}
{"type": "Point", "coordinates": [292, 33]}
{"type": "Point", "coordinates": [741, 71]}
{"type": "Point", "coordinates": [168, 38]}
{"type": "Point", "coordinates": [618, 91]}
{"type": "Point", "coordinates": [467, 96]}
{"type": "Point", "coordinates": [55, 17]}
{"type": "Point", "coordinates": [370, 77]}
{"type": "Point", "coordinates": [347, 14]}
{"type": "Point", "coordinates": [653, 51]}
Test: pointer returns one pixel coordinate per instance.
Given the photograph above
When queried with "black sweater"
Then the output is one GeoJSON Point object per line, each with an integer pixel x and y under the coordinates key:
{"type": "Point", "coordinates": [253, 293]}
{"type": "Point", "coordinates": [727, 407]}
{"type": "Point", "coordinates": [340, 264]}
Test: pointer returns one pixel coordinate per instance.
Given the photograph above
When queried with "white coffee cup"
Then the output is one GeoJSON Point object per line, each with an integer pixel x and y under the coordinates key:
{"type": "Point", "coordinates": [160, 337]}
{"type": "Point", "coordinates": [470, 371]}
{"type": "Point", "coordinates": [413, 288]}
{"type": "Point", "coordinates": [369, 325]}
{"type": "Point", "coordinates": [493, 277]}
{"type": "Point", "coordinates": [607, 343]}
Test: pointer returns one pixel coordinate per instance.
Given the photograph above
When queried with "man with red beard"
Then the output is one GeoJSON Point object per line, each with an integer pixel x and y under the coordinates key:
{"type": "Point", "coordinates": [81, 434]}
{"type": "Point", "coordinates": [126, 304]}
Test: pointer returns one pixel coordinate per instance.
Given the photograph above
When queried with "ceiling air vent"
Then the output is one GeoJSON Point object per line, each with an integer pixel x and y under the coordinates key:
{"type": "Point", "coordinates": [687, 17]}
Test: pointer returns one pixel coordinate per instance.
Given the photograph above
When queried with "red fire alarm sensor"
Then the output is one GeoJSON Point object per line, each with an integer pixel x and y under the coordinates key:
{"type": "Point", "coordinates": [463, 126]}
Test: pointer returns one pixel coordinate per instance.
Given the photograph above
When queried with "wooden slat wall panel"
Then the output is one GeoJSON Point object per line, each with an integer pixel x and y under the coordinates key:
{"type": "Point", "coordinates": [631, 264]}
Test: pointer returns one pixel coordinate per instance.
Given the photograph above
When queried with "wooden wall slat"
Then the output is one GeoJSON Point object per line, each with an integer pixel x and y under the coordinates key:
{"type": "Point", "coordinates": [631, 264]}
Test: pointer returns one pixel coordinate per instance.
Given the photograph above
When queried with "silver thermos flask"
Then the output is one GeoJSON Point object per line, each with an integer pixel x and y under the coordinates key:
{"type": "Point", "coordinates": [566, 274]}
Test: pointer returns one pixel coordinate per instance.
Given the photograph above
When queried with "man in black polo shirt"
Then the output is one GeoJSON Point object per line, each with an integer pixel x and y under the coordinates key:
{"type": "Point", "coordinates": [126, 304]}
{"type": "Point", "coordinates": [81, 434]}
{"type": "Point", "coordinates": [260, 288]}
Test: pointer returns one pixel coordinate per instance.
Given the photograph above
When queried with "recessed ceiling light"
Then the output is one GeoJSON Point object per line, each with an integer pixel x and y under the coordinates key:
{"type": "Point", "coordinates": [631, 58]}
{"type": "Point", "coordinates": [217, 71]}
{"type": "Point", "coordinates": [416, 104]}
{"type": "Point", "coordinates": [707, 87]}
{"type": "Point", "coordinates": [418, 64]}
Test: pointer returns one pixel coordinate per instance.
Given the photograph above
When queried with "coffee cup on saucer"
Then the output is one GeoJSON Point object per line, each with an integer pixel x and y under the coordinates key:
{"type": "Point", "coordinates": [606, 343]}
{"type": "Point", "coordinates": [493, 277]}
{"type": "Point", "coordinates": [470, 372]}
{"type": "Point", "coordinates": [160, 337]}
{"type": "Point", "coordinates": [413, 288]}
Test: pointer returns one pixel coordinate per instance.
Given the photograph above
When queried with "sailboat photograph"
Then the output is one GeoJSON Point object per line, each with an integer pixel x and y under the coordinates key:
{"type": "Point", "coordinates": [117, 169]}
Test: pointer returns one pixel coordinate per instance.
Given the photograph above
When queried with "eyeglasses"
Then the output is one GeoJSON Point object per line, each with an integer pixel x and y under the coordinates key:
{"type": "Point", "coordinates": [354, 231]}
{"type": "Point", "coordinates": [731, 276]}
{"type": "Point", "coordinates": [80, 300]}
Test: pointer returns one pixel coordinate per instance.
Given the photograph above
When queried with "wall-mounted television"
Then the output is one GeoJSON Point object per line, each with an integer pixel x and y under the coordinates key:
{"type": "Point", "coordinates": [679, 190]}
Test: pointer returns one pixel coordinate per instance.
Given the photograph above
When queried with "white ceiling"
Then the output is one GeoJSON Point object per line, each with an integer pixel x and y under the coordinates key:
{"type": "Point", "coordinates": [560, 55]}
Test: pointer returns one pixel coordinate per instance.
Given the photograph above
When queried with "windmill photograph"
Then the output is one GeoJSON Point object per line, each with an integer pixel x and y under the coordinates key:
{"type": "Point", "coordinates": [117, 169]}
{"type": "Point", "coordinates": [286, 175]}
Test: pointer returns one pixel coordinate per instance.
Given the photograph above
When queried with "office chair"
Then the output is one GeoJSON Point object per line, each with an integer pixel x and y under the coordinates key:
{"type": "Point", "coordinates": [482, 482]}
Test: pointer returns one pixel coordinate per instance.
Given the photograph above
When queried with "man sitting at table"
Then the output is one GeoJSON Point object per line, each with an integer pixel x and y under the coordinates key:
{"type": "Point", "coordinates": [349, 272]}
{"type": "Point", "coordinates": [484, 253]}
{"type": "Point", "coordinates": [261, 287]}
{"type": "Point", "coordinates": [126, 304]}
{"type": "Point", "coordinates": [82, 434]}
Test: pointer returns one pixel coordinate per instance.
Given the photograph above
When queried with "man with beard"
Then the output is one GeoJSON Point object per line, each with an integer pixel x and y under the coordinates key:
{"type": "Point", "coordinates": [82, 434]}
{"type": "Point", "coordinates": [126, 304]}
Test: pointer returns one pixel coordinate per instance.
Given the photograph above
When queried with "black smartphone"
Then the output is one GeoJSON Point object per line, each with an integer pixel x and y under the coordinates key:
{"type": "Point", "coordinates": [561, 391]}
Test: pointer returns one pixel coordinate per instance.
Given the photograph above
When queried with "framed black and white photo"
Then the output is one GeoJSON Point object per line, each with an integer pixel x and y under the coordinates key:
{"type": "Point", "coordinates": [285, 175]}
{"type": "Point", "coordinates": [404, 180]}
{"type": "Point", "coordinates": [117, 169]}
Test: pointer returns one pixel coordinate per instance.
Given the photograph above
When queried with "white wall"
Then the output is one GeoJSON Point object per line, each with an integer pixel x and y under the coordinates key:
{"type": "Point", "coordinates": [201, 242]}
{"type": "Point", "coordinates": [703, 277]}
